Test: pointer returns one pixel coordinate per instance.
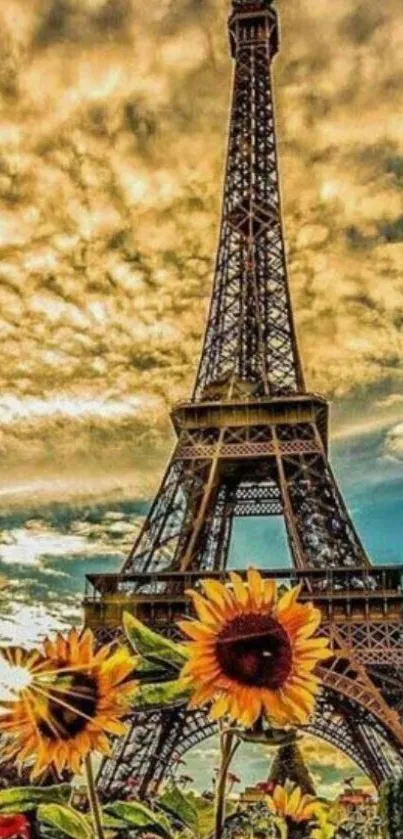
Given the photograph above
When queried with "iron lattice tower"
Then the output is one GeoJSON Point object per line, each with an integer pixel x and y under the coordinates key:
{"type": "Point", "coordinates": [253, 441]}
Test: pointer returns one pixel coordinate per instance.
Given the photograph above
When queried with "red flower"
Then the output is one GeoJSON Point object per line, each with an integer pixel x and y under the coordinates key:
{"type": "Point", "coordinates": [14, 825]}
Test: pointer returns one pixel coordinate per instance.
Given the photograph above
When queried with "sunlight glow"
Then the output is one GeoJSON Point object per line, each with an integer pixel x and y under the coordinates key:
{"type": "Point", "coordinates": [329, 190]}
{"type": "Point", "coordinates": [12, 680]}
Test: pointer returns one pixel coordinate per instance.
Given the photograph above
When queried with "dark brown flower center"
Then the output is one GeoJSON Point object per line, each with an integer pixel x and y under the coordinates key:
{"type": "Point", "coordinates": [72, 702]}
{"type": "Point", "coordinates": [297, 830]}
{"type": "Point", "coordinates": [255, 650]}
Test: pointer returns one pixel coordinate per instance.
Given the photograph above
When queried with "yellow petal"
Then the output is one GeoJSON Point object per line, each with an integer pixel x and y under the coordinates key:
{"type": "Point", "coordinates": [310, 659]}
{"type": "Point", "coordinates": [219, 707]}
{"type": "Point", "coordinates": [240, 590]}
{"type": "Point", "coordinates": [218, 594]}
{"type": "Point", "coordinates": [102, 744]}
{"type": "Point", "coordinates": [196, 630]}
{"type": "Point", "coordinates": [288, 599]}
{"type": "Point", "coordinates": [309, 810]}
{"type": "Point", "coordinates": [87, 644]}
{"type": "Point", "coordinates": [301, 621]}
{"type": "Point", "coordinates": [61, 646]}
{"type": "Point", "coordinates": [311, 643]}
{"type": "Point", "coordinates": [255, 584]}
{"type": "Point", "coordinates": [275, 708]}
{"type": "Point", "coordinates": [294, 800]}
{"type": "Point", "coordinates": [73, 645]}
{"type": "Point", "coordinates": [279, 798]}
{"type": "Point", "coordinates": [206, 612]}
{"type": "Point", "coordinates": [297, 713]}
{"type": "Point", "coordinates": [201, 695]}
{"type": "Point", "coordinates": [118, 666]}
{"type": "Point", "coordinates": [114, 727]}
{"type": "Point", "coordinates": [312, 625]}
{"type": "Point", "coordinates": [270, 804]}
{"type": "Point", "coordinates": [300, 696]}
{"type": "Point", "coordinates": [269, 593]}
{"type": "Point", "coordinates": [306, 681]}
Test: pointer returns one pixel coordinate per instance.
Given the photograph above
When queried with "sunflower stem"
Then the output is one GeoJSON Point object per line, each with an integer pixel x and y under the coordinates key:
{"type": "Point", "coordinates": [228, 749]}
{"type": "Point", "coordinates": [93, 799]}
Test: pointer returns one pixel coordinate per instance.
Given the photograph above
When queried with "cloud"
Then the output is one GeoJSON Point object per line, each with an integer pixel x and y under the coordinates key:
{"type": "Point", "coordinates": [69, 20]}
{"type": "Point", "coordinates": [360, 25]}
{"type": "Point", "coordinates": [394, 443]}
{"type": "Point", "coordinates": [51, 546]}
{"type": "Point", "coordinates": [45, 561]}
{"type": "Point", "coordinates": [31, 610]}
{"type": "Point", "coordinates": [390, 401]}
{"type": "Point", "coordinates": [111, 154]}
{"type": "Point", "coordinates": [27, 624]}
{"type": "Point", "coordinates": [319, 754]}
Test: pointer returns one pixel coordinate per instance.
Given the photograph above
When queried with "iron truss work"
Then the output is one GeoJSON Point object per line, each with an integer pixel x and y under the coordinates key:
{"type": "Point", "coordinates": [266, 465]}
{"type": "Point", "coordinates": [250, 345]}
{"type": "Point", "coordinates": [253, 442]}
{"type": "Point", "coordinates": [361, 707]}
{"type": "Point", "coordinates": [158, 741]}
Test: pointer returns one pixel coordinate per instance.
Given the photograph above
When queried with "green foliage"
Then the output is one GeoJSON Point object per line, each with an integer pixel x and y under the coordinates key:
{"type": "Point", "coordinates": [109, 822]}
{"type": "Point", "coordinates": [391, 808]}
{"type": "Point", "coordinates": [137, 815]}
{"type": "Point", "coordinates": [23, 799]}
{"type": "Point", "coordinates": [162, 693]}
{"type": "Point", "coordinates": [325, 829]}
{"type": "Point", "coordinates": [205, 813]}
{"type": "Point", "coordinates": [152, 646]}
{"type": "Point", "coordinates": [180, 806]}
{"type": "Point", "coordinates": [66, 820]}
{"type": "Point", "coordinates": [254, 821]}
{"type": "Point", "coordinates": [192, 811]}
{"type": "Point", "coordinates": [161, 661]}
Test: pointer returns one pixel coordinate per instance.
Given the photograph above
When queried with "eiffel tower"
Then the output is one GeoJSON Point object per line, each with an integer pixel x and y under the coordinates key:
{"type": "Point", "coordinates": [253, 441]}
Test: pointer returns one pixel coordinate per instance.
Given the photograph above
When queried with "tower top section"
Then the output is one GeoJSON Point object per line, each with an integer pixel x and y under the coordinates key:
{"type": "Point", "coordinates": [250, 348]}
{"type": "Point", "coordinates": [246, 5]}
{"type": "Point", "coordinates": [253, 22]}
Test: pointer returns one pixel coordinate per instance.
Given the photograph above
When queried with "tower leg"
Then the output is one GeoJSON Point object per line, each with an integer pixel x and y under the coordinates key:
{"type": "Point", "coordinates": [321, 533]}
{"type": "Point", "coordinates": [157, 741]}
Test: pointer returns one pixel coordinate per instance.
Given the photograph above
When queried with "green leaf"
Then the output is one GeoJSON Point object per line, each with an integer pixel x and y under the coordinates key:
{"type": "Point", "coordinates": [153, 646]}
{"type": "Point", "coordinates": [66, 820]}
{"type": "Point", "coordinates": [164, 693]}
{"type": "Point", "coordinates": [180, 806]}
{"type": "Point", "coordinates": [108, 822]}
{"type": "Point", "coordinates": [22, 799]}
{"type": "Point", "coordinates": [137, 815]}
{"type": "Point", "coordinates": [152, 668]}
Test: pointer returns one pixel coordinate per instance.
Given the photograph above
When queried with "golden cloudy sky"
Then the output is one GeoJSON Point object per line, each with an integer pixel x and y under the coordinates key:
{"type": "Point", "coordinates": [112, 129]}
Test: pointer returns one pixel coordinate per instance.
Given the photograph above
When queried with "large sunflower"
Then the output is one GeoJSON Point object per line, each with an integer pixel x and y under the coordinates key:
{"type": "Point", "coordinates": [292, 805]}
{"type": "Point", "coordinates": [253, 654]}
{"type": "Point", "coordinates": [66, 699]}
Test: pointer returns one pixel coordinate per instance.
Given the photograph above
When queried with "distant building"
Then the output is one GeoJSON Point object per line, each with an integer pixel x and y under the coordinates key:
{"type": "Point", "coordinates": [251, 795]}
{"type": "Point", "coordinates": [79, 797]}
{"type": "Point", "coordinates": [357, 804]}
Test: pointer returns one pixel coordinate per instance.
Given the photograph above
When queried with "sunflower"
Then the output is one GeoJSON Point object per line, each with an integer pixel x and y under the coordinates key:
{"type": "Point", "coordinates": [65, 700]}
{"type": "Point", "coordinates": [292, 805]}
{"type": "Point", "coordinates": [252, 653]}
